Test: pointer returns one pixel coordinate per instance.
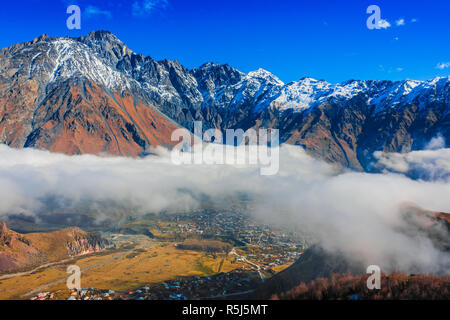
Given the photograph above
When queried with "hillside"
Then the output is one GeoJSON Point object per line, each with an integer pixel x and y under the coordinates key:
{"type": "Point", "coordinates": [396, 286]}
{"type": "Point", "coordinates": [313, 263]}
{"type": "Point", "coordinates": [18, 251]}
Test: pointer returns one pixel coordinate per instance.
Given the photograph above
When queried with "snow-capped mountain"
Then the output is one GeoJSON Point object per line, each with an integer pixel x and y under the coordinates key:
{"type": "Point", "coordinates": [93, 94]}
{"type": "Point", "coordinates": [266, 90]}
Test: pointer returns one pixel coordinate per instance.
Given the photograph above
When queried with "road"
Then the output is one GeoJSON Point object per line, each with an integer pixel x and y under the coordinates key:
{"type": "Point", "coordinates": [143, 245]}
{"type": "Point", "coordinates": [44, 266]}
{"type": "Point", "coordinates": [227, 295]}
{"type": "Point", "coordinates": [244, 259]}
{"type": "Point", "coordinates": [53, 283]}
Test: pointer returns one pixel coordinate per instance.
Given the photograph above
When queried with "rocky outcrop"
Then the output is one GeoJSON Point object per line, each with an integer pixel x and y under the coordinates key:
{"type": "Point", "coordinates": [85, 243]}
{"type": "Point", "coordinates": [19, 251]}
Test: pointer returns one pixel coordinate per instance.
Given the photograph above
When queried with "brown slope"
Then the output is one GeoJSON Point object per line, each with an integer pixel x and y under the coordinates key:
{"type": "Point", "coordinates": [19, 251]}
{"type": "Point", "coordinates": [81, 118]}
{"type": "Point", "coordinates": [15, 250]}
{"type": "Point", "coordinates": [16, 112]}
{"type": "Point", "coordinates": [20, 90]}
{"type": "Point", "coordinates": [71, 116]}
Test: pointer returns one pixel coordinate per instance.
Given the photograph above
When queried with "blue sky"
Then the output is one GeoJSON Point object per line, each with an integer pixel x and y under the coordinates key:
{"type": "Point", "coordinates": [323, 39]}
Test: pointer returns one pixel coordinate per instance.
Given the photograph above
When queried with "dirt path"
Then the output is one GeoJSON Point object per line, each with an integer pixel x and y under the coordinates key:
{"type": "Point", "coordinates": [221, 265]}
{"type": "Point", "coordinates": [44, 266]}
{"type": "Point", "coordinates": [53, 283]}
{"type": "Point", "coordinates": [114, 258]}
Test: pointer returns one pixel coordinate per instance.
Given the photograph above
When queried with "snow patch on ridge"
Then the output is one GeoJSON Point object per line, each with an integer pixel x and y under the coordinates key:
{"type": "Point", "coordinates": [74, 58]}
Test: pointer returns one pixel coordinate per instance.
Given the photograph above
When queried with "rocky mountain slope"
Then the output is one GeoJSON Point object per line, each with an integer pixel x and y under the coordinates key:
{"type": "Point", "coordinates": [57, 94]}
{"type": "Point", "coordinates": [20, 251]}
{"type": "Point", "coordinates": [93, 95]}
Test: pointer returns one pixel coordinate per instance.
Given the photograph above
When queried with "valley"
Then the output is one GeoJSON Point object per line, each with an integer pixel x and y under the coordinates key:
{"type": "Point", "coordinates": [202, 255]}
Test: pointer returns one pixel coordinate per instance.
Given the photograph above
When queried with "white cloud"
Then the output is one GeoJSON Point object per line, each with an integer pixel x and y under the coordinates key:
{"type": "Point", "coordinates": [357, 214]}
{"type": "Point", "coordinates": [433, 164]}
{"type": "Point", "coordinates": [400, 22]}
{"type": "Point", "coordinates": [413, 20]}
{"type": "Point", "coordinates": [443, 65]}
{"type": "Point", "coordinates": [437, 142]}
{"type": "Point", "coordinates": [145, 7]}
{"type": "Point", "coordinates": [92, 11]}
{"type": "Point", "coordinates": [383, 24]}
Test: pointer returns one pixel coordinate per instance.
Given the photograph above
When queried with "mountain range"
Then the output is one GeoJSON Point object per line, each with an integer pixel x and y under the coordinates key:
{"type": "Point", "coordinates": [94, 95]}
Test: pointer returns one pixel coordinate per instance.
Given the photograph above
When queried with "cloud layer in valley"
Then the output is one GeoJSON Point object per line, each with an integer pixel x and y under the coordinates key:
{"type": "Point", "coordinates": [433, 164]}
{"type": "Point", "coordinates": [358, 214]}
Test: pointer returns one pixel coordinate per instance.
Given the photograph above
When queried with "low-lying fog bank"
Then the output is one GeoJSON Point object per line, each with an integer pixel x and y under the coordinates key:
{"type": "Point", "coordinates": [358, 214]}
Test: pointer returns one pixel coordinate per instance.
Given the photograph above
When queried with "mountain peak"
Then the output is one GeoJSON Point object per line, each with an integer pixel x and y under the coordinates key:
{"type": "Point", "coordinates": [263, 74]}
{"type": "Point", "coordinates": [42, 37]}
{"type": "Point", "coordinates": [209, 65]}
{"type": "Point", "coordinates": [309, 80]}
{"type": "Point", "coordinates": [214, 65]}
{"type": "Point", "coordinates": [106, 45]}
{"type": "Point", "coordinates": [101, 35]}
